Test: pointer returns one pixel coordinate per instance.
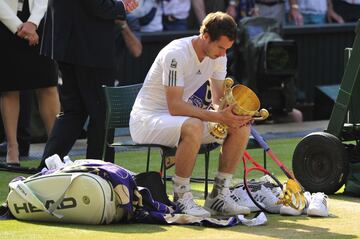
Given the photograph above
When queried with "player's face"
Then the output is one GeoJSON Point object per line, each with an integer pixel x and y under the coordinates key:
{"type": "Point", "coordinates": [215, 49]}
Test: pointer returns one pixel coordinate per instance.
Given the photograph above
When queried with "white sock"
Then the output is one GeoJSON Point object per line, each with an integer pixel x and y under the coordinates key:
{"type": "Point", "coordinates": [221, 183]}
{"type": "Point", "coordinates": [226, 177]}
{"type": "Point", "coordinates": [180, 186]}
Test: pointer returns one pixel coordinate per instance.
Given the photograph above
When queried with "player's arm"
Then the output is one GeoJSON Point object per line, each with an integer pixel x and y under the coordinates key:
{"type": "Point", "coordinates": [217, 91]}
{"type": "Point", "coordinates": [174, 67]}
{"type": "Point", "coordinates": [177, 106]}
{"type": "Point", "coordinates": [217, 81]}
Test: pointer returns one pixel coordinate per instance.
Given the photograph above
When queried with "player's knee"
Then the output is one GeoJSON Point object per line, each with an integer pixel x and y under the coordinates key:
{"type": "Point", "coordinates": [243, 131]}
{"type": "Point", "coordinates": [193, 129]}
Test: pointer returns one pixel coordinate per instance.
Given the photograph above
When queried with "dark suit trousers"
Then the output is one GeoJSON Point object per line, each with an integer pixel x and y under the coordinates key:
{"type": "Point", "coordinates": [81, 97]}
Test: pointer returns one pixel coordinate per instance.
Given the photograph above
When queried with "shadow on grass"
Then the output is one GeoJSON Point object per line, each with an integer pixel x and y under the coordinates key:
{"type": "Point", "coordinates": [278, 227]}
{"type": "Point", "coordinates": [345, 197]}
{"type": "Point", "coordinates": [285, 227]}
{"type": "Point", "coordinates": [112, 228]}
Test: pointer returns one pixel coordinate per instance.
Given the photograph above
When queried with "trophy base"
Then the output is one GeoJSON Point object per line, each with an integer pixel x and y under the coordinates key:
{"type": "Point", "coordinates": [218, 131]}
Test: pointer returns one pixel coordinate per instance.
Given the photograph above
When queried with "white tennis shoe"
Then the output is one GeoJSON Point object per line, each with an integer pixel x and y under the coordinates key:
{"type": "Point", "coordinates": [267, 197]}
{"type": "Point", "coordinates": [241, 197]}
{"type": "Point", "coordinates": [318, 206]}
{"type": "Point", "coordinates": [187, 205]}
{"type": "Point", "coordinates": [224, 205]}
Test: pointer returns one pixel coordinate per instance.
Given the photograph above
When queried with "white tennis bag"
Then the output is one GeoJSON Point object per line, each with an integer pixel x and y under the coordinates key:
{"type": "Point", "coordinates": [64, 197]}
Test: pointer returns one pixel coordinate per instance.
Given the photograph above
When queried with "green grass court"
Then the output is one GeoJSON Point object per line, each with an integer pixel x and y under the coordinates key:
{"type": "Point", "coordinates": [343, 221]}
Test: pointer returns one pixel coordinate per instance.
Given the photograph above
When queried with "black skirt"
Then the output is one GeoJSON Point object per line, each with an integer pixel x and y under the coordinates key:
{"type": "Point", "coordinates": [21, 66]}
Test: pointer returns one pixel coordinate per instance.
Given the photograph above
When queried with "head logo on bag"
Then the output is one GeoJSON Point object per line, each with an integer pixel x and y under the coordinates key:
{"type": "Point", "coordinates": [29, 208]}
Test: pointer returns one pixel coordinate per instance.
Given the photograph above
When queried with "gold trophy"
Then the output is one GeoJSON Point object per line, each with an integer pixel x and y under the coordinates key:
{"type": "Point", "coordinates": [247, 103]}
{"type": "Point", "coordinates": [292, 195]}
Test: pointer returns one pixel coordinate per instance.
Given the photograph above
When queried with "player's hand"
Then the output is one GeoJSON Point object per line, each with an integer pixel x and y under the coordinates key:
{"type": "Point", "coordinates": [233, 120]}
{"type": "Point", "coordinates": [130, 5]}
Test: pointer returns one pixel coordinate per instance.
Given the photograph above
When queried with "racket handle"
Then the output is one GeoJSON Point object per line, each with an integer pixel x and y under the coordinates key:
{"type": "Point", "coordinates": [259, 139]}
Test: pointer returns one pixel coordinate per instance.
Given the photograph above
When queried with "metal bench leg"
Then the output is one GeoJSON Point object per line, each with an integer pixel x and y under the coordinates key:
{"type": "Point", "coordinates": [163, 171]}
{"type": "Point", "coordinates": [207, 159]}
{"type": "Point", "coordinates": [148, 159]}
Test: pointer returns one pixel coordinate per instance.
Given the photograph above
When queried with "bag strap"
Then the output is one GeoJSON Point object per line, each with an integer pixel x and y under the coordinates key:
{"type": "Point", "coordinates": [27, 194]}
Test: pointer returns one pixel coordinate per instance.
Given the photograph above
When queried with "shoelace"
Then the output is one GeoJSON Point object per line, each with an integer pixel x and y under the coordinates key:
{"type": "Point", "coordinates": [319, 198]}
{"type": "Point", "coordinates": [242, 195]}
{"type": "Point", "coordinates": [189, 203]}
{"type": "Point", "coordinates": [228, 200]}
{"type": "Point", "coordinates": [266, 196]}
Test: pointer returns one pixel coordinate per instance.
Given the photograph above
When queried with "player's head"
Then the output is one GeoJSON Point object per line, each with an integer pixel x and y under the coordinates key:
{"type": "Point", "coordinates": [217, 24]}
{"type": "Point", "coordinates": [218, 29]}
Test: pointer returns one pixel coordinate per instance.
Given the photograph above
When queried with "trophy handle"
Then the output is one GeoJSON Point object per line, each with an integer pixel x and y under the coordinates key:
{"type": "Point", "coordinates": [293, 195]}
{"type": "Point", "coordinates": [218, 130]}
{"type": "Point", "coordinates": [228, 83]}
{"type": "Point", "coordinates": [261, 115]}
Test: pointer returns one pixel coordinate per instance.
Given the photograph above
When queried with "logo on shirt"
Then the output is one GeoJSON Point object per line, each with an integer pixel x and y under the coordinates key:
{"type": "Point", "coordinates": [173, 63]}
{"type": "Point", "coordinates": [198, 72]}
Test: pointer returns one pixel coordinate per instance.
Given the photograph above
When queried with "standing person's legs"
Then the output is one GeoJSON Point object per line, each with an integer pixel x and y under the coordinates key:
{"type": "Point", "coordinates": [23, 134]}
{"type": "Point", "coordinates": [10, 108]}
{"type": "Point", "coordinates": [2, 130]}
{"type": "Point", "coordinates": [49, 106]}
{"type": "Point", "coordinates": [91, 81]}
{"type": "Point", "coordinates": [23, 131]}
{"type": "Point", "coordinates": [69, 123]}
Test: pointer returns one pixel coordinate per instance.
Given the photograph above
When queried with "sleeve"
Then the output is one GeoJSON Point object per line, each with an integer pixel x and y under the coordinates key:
{"type": "Point", "coordinates": [37, 11]}
{"type": "Point", "coordinates": [8, 17]}
{"type": "Point", "coordinates": [219, 68]}
{"type": "Point", "coordinates": [106, 9]}
{"type": "Point", "coordinates": [173, 69]}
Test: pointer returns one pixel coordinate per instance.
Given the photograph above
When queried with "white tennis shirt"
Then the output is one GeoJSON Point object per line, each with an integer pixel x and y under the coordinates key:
{"type": "Point", "coordinates": [176, 65]}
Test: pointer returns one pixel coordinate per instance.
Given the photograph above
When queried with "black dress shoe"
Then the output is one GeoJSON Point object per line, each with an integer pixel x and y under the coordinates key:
{"type": "Point", "coordinates": [23, 149]}
{"type": "Point", "coordinates": [13, 164]}
{"type": "Point", "coordinates": [15, 167]}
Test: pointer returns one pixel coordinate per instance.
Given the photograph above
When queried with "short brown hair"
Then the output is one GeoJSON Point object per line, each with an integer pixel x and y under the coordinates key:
{"type": "Point", "coordinates": [218, 24]}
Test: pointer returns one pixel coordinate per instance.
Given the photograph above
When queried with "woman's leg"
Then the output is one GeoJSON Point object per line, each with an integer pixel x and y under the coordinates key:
{"type": "Point", "coordinates": [49, 106]}
{"type": "Point", "coordinates": [10, 108]}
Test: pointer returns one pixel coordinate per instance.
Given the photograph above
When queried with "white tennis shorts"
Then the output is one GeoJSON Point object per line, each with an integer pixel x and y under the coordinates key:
{"type": "Point", "coordinates": [162, 129]}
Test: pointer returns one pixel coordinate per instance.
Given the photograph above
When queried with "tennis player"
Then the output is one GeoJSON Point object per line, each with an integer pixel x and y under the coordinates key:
{"type": "Point", "coordinates": [161, 114]}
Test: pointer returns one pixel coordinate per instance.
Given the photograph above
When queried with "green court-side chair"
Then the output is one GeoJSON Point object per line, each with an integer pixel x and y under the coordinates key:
{"type": "Point", "coordinates": [119, 102]}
